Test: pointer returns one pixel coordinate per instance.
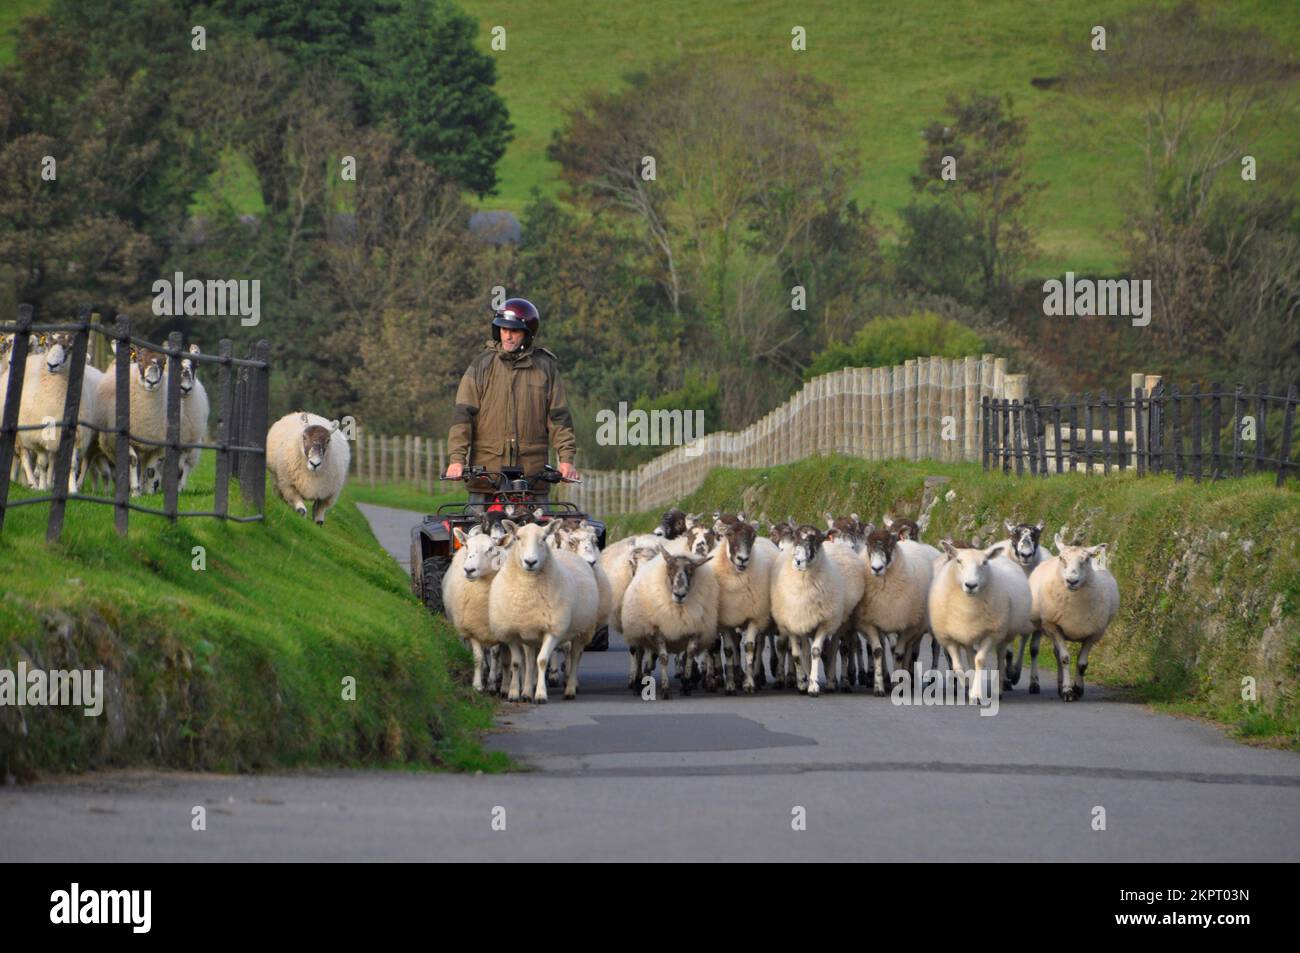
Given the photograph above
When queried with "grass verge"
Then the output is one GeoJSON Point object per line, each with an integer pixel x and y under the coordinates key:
{"type": "Point", "coordinates": [226, 647]}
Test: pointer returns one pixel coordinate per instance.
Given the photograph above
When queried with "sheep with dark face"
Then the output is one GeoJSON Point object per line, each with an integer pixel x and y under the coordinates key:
{"type": "Point", "coordinates": [808, 603]}
{"type": "Point", "coordinates": [1023, 549]}
{"type": "Point", "coordinates": [894, 600]}
{"type": "Point", "coordinates": [672, 525]}
{"type": "Point", "coordinates": [905, 528]}
{"type": "Point", "coordinates": [308, 458]}
{"type": "Point", "coordinates": [672, 604]}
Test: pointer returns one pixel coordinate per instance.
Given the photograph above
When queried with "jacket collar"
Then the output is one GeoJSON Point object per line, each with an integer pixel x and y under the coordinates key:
{"type": "Point", "coordinates": [520, 358]}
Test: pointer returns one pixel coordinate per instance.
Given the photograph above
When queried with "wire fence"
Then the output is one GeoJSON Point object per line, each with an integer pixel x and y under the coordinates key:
{"type": "Point", "coordinates": [243, 389]}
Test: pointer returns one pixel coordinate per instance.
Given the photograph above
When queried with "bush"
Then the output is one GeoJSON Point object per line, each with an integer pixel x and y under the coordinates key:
{"type": "Point", "coordinates": [885, 342]}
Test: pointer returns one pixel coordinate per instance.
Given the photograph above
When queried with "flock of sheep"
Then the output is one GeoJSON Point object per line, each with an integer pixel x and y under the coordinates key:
{"type": "Point", "coordinates": [525, 590]}
{"type": "Point", "coordinates": [307, 456]}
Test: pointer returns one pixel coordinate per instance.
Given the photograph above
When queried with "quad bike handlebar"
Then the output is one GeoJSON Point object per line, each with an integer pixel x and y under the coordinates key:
{"type": "Point", "coordinates": [511, 478]}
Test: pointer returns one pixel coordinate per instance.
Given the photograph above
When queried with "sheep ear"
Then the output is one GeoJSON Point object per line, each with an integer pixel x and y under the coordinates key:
{"type": "Point", "coordinates": [475, 530]}
{"type": "Point", "coordinates": [855, 517]}
{"type": "Point", "coordinates": [549, 528]}
{"type": "Point", "coordinates": [510, 526]}
{"type": "Point", "coordinates": [948, 548]}
{"type": "Point", "coordinates": [1039, 526]}
{"type": "Point", "coordinates": [334, 426]}
{"type": "Point", "coordinates": [996, 550]}
{"type": "Point", "coordinates": [887, 520]}
{"type": "Point", "coordinates": [1058, 542]}
{"type": "Point", "coordinates": [538, 513]}
{"type": "Point", "coordinates": [830, 520]}
{"type": "Point", "coordinates": [460, 535]}
{"type": "Point", "coordinates": [662, 552]}
{"type": "Point", "coordinates": [303, 417]}
{"type": "Point", "coordinates": [1098, 551]}
{"type": "Point", "coordinates": [741, 516]}
{"type": "Point", "coordinates": [1011, 527]}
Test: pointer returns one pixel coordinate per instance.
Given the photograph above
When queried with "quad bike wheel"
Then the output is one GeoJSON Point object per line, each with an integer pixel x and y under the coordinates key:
{"type": "Point", "coordinates": [432, 571]}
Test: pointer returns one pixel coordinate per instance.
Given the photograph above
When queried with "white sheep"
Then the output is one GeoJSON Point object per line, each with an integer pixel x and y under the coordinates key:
{"type": "Point", "coordinates": [44, 396]}
{"type": "Point", "coordinates": [672, 604]}
{"type": "Point", "coordinates": [581, 538]}
{"type": "Point", "coordinates": [195, 409]}
{"type": "Point", "coordinates": [1074, 600]}
{"type": "Point", "coordinates": [976, 606]}
{"type": "Point", "coordinates": [541, 598]}
{"type": "Point", "coordinates": [895, 600]}
{"type": "Point", "coordinates": [148, 410]}
{"type": "Point", "coordinates": [465, 589]}
{"type": "Point", "coordinates": [1023, 549]}
{"type": "Point", "coordinates": [808, 602]}
{"type": "Point", "coordinates": [621, 569]}
{"type": "Point", "coordinates": [308, 458]}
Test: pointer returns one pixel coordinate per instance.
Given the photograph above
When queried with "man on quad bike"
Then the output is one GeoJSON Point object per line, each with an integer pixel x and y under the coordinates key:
{"type": "Point", "coordinates": [510, 406]}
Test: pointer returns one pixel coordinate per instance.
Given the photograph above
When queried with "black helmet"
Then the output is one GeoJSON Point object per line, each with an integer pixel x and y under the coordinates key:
{"type": "Point", "coordinates": [517, 314]}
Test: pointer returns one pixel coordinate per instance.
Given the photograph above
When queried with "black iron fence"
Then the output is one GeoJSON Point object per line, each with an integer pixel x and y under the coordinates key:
{"type": "Point", "coordinates": [1211, 434]}
{"type": "Point", "coordinates": [243, 390]}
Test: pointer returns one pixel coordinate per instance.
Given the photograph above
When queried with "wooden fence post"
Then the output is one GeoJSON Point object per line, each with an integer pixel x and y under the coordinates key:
{"type": "Point", "coordinates": [1288, 422]}
{"type": "Point", "coordinates": [122, 424]}
{"type": "Point", "coordinates": [68, 431]}
{"type": "Point", "coordinates": [225, 397]}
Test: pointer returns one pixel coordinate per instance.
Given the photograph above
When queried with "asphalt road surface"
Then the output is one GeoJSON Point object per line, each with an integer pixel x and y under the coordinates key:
{"type": "Point", "coordinates": [708, 777]}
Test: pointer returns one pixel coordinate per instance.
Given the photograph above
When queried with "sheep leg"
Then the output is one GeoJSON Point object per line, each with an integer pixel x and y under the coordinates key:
{"type": "Point", "coordinates": [760, 675]}
{"type": "Point", "coordinates": [634, 657]}
{"type": "Point", "coordinates": [753, 657]}
{"type": "Point", "coordinates": [1081, 666]}
{"type": "Point", "coordinates": [731, 651]}
{"type": "Point", "coordinates": [530, 670]}
{"type": "Point", "coordinates": [1061, 650]}
{"type": "Point", "coordinates": [1033, 661]}
{"type": "Point", "coordinates": [801, 652]}
{"type": "Point", "coordinates": [571, 683]}
{"type": "Point", "coordinates": [516, 670]}
{"type": "Point", "coordinates": [477, 648]}
{"type": "Point", "coordinates": [818, 664]}
{"type": "Point", "coordinates": [775, 659]}
{"type": "Point", "coordinates": [320, 507]}
{"type": "Point", "coordinates": [543, 660]}
{"type": "Point", "coordinates": [977, 692]}
{"type": "Point", "coordinates": [1016, 662]}
{"type": "Point", "coordinates": [877, 662]}
{"type": "Point", "coordinates": [553, 670]}
{"type": "Point", "coordinates": [661, 649]}
{"type": "Point", "coordinates": [29, 470]}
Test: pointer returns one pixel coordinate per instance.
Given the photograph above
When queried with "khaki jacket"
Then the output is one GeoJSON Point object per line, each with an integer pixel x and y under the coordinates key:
{"type": "Point", "coordinates": [509, 408]}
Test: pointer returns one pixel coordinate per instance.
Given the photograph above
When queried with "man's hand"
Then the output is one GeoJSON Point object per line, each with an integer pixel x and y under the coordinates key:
{"type": "Point", "coordinates": [568, 471]}
{"type": "Point", "coordinates": [455, 470]}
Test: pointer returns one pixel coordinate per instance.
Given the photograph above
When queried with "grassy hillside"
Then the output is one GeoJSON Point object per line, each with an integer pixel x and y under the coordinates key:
{"type": "Point", "coordinates": [1209, 575]}
{"type": "Point", "coordinates": [894, 65]}
{"type": "Point", "coordinates": [237, 666]}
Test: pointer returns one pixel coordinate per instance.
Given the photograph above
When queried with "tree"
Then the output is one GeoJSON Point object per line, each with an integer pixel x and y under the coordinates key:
{"type": "Point", "coordinates": [987, 193]}
{"type": "Point", "coordinates": [411, 65]}
{"type": "Point", "coordinates": [1204, 90]}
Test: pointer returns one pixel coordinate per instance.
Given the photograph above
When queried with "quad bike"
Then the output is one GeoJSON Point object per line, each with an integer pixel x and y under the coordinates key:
{"type": "Point", "coordinates": [433, 543]}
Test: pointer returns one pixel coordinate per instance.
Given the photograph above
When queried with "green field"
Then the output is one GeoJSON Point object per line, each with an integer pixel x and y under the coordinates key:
{"type": "Point", "coordinates": [893, 64]}
{"type": "Point", "coordinates": [1209, 575]}
{"type": "Point", "coordinates": [239, 665]}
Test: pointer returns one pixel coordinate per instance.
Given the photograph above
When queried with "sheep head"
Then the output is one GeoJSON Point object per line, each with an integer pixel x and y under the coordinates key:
{"type": "Point", "coordinates": [881, 544]}
{"type": "Point", "coordinates": [58, 351]}
{"type": "Point", "coordinates": [530, 542]}
{"type": "Point", "coordinates": [972, 565]}
{"type": "Point", "coordinates": [149, 367]}
{"type": "Point", "coordinates": [1075, 563]}
{"type": "Point", "coordinates": [672, 525]}
{"type": "Point", "coordinates": [315, 443]}
{"type": "Point", "coordinates": [188, 372]}
{"type": "Point", "coordinates": [680, 572]}
{"type": "Point", "coordinates": [740, 538]}
{"type": "Point", "coordinates": [808, 542]}
{"type": "Point", "coordinates": [482, 556]}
